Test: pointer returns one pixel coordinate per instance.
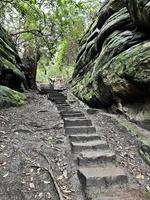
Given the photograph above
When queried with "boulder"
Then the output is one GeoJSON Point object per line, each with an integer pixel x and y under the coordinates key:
{"type": "Point", "coordinates": [9, 97]}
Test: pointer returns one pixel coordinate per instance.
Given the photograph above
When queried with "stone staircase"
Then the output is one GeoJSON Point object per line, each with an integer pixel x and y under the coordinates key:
{"type": "Point", "coordinates": [97, 170]}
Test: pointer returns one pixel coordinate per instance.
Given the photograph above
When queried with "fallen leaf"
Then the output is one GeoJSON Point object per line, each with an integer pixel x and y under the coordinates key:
{"type": "Point", "coordinates": [46, 182]}
{"type": "Point", "coordinates": [60, 178]}
{"type": "Point", "coordinates": [32, 185]}
{"type": "Point", "coordinates": [2, 146]}
{"type": "Point", "coordinates": [48, 195]}
{"type": "Point", "coordinates": [38, 171]}
{"type": "Point", "coordinates": [5, 154]}
{"type": "Point", "coordinates": [5, 175]}
{"type": "Point", "coordinates": [40, 194]}
{"type": "Point", "coordinates": [65, 174]}
{"type": "Point", "coordinates": [2, 132]}
{"type": "Point", "coordinates": [31, 170]}
{"type": "Point", "coordinates": [140, 176]}
{"type": "Point", "coordinates": [147, 188]}
{"type": "Point", "coordinates": [23, 181]}
{"type": "Point", "coordinates": [4, 163]}
{"type": "Point", "coordinates": [65, 164]}
{"type": "Point", "coordinates": [67, 191]}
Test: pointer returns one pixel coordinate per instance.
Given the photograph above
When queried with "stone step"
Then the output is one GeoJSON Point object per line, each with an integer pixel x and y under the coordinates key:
{"type": "Point", "coordinates": [123, 196]}
{"type": "Point", "coordinates": [61, 102]}
{"type": "Point", "coordinates": [63, 106]}
{"type": "Point", "coordinates": [56, 95]}
{"type": "Point", "coordinates": [80, 130]}
{"type": "Point", "coordinates": [60, 99]}
{"type": "Point", "coordinates": [91, 145]}
{"type": "Point", "coordinates": [84, 137]}
{"type": "Point", "coordinates": [53, 100]}
{"type": "Point", "coordinates": [72, 115]}
{"type": "Point", "coordinates": [73, 112]}
{"type": "Point", "coordinates": [96, 157]}
{"type": "Point", "coordinates": [43, 92]}
{"type": "Point", "coordinates": [48, 90]}
{"type": "Point", "coordinates": [57, 90]}
{"type": "Point", "coordinates": [114, 194]}
{"type": "Point", "coordinates": [58, 102]}
{"type": "Point", "coordinates": [64, 109]}
{"type": "Point", "coordinates": [102, 178]}
{"type": "Point", "coordinates": [77, 122]}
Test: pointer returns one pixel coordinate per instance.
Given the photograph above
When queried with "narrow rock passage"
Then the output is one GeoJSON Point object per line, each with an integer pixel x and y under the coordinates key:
{"type": "Point", "coordinates": [96, 174]}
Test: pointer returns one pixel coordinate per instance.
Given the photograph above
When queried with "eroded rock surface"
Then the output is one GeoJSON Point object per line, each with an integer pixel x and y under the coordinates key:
{"type": "Point", "coordinates": [113, 65]}
{"type": "Point", "coordinates": [13, 74]}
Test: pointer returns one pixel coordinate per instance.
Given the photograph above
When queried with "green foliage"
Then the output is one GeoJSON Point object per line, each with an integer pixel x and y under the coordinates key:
{"type": "Point", "coordinates": [54, 71]}
{"type": "Point", "coordinates": [61, 53]}
{"type": "Point", "coordinates": [53, 27]}
{"type": "Point", "coordinates": [64, 73]}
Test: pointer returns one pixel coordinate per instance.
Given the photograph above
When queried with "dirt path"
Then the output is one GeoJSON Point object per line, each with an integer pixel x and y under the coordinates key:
{"type": "Point", "coordinates": [30, 137]}
{"type": "Point", "coordinates": [34, 143]}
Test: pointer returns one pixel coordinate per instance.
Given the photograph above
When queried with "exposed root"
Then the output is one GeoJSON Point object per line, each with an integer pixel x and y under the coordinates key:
{"type": "Point", "coordinates": [50, 172]}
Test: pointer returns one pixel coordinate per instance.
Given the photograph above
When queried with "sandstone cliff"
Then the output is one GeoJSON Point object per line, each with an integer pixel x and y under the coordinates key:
{"type": "Point", "coordinates": [13, 74]}
{"type": "Point", "coordinates": [113, 65]}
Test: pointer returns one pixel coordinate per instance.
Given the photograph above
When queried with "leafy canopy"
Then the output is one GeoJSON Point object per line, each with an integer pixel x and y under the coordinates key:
{"type": "Point", "coordinates": [51, 26]}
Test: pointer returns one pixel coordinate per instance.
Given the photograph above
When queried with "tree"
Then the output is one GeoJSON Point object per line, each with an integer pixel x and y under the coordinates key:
{"type": "Point", "coordinates": [44, 24]}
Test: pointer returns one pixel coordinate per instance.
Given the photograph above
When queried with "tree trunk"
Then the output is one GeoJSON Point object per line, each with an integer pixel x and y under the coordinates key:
{"type": "Point", "coordinates": [31, 57]}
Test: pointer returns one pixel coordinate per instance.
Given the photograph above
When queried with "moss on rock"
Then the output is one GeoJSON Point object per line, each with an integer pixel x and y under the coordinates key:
{"type": "Point", "coordinates": [9, 97]}
{"type": "Point", "coordinates": [113, 66]}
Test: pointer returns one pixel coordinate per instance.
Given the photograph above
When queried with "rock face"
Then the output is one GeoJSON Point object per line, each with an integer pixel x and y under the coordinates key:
{"type": "Point", "coordinates": [113, 65]}
{"type": "Point", "coordinates": [140, 13]}
{"type": "Point", "coordinates": [13, 74]}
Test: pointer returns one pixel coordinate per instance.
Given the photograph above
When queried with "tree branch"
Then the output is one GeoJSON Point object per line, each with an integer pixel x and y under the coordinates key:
{"type": "Point", "coordinates": [33, 31]}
